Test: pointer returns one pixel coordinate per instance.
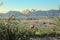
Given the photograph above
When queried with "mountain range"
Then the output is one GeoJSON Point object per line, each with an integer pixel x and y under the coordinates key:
{"type": "Point", "coordinates": [34, 14]}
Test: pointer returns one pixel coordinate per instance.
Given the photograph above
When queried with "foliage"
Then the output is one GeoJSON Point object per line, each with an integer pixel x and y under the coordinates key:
{"type": "Point", "coordinates": [15, 31]}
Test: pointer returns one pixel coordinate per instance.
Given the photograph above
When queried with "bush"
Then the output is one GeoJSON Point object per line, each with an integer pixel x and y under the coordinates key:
{"type": "Point", "coordinates": [15, 31]}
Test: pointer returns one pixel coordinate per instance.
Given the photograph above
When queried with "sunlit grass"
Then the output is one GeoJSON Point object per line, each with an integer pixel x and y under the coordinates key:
{"type": "Point", "coordinates": [16, 31]}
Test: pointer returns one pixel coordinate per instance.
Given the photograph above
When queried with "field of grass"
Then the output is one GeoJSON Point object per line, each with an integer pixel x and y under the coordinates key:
{"type": "Point", "coordinates": [16, 30]}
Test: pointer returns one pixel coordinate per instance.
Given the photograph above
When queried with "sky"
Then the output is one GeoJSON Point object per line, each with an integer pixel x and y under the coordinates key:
{"type": "Point", "coordinates": [18, 5]}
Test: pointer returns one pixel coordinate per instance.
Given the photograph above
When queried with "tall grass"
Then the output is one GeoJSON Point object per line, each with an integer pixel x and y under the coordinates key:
{"type": "Point", "coordinates": [16, 31]}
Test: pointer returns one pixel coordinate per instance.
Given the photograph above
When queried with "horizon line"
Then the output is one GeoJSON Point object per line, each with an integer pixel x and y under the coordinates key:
{"type": "Point", "coordinates": [5, 11]}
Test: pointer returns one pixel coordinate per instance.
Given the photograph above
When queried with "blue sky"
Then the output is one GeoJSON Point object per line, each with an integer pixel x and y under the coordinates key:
{"type": "Point", "coordinates": [29, 4]}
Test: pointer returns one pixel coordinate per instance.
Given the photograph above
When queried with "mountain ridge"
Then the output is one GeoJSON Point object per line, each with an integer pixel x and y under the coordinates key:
{"type": "Point", "coordinates": [34, 14]}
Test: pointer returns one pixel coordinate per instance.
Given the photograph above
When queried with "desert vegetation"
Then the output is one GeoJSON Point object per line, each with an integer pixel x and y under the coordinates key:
{"type": "Point", "coordinates": [16, 31]}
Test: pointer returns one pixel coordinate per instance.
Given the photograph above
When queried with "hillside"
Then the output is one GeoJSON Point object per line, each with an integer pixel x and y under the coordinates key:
{"type": "Point", "coordinates": [34, 14]}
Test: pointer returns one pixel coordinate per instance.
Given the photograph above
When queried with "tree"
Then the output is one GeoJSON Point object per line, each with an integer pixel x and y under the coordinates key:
{"type": "Point", "coordinates": [1, 3]}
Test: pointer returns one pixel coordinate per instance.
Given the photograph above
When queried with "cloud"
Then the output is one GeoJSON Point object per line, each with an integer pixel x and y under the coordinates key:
{"type": "Point", "coordinates": [1, 3]}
